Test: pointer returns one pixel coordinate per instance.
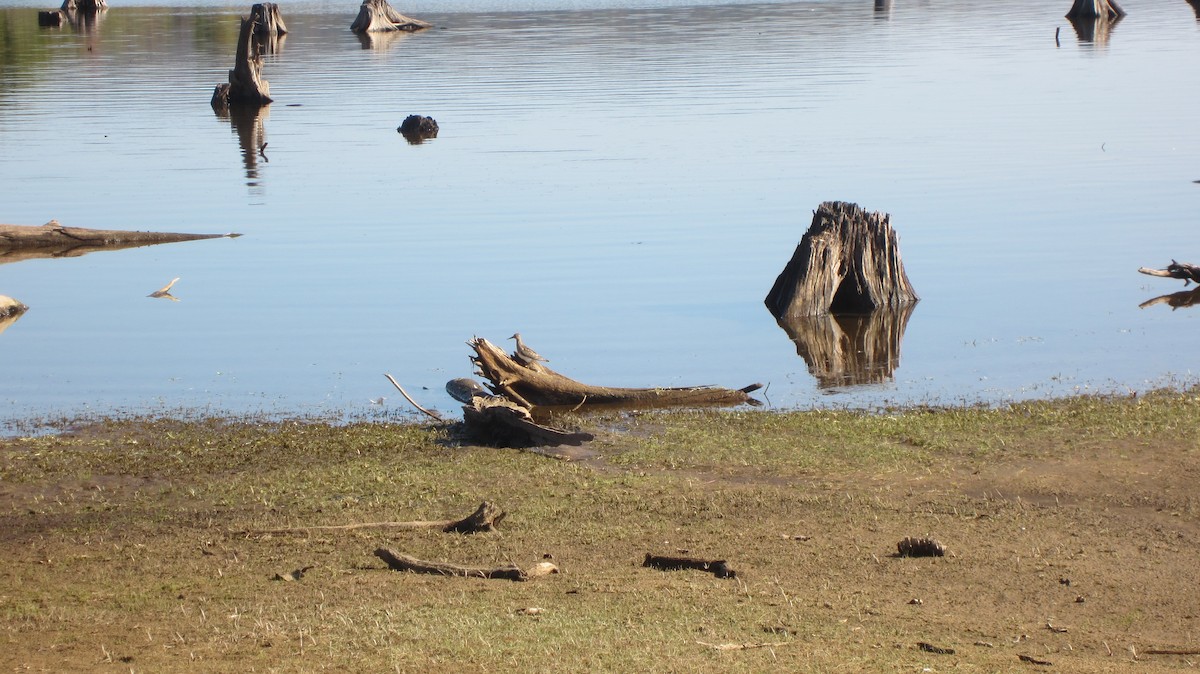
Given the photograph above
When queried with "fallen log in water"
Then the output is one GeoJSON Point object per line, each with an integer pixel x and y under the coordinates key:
{"type": "Point", "coordinates": [1179, 270]}
{"type": "Point", "coordinates": [55, 235]}
{"type": "Point", "coordinates": [378, 15]}
{"type": "Point", "coordinates": [533, 384]}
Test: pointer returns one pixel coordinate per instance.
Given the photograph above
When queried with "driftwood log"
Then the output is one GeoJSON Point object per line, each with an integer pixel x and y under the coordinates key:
{"type": "Point", "coordinates": [847, 262]}
{"type": "Point", "coordinates": [495, 421]}
{"type": "Point", "coordinates": [1179, 270]}
{"type": "Point", "coordinates": [717, 567]}
{"type": "Point", "coordinates": [246, 85]}
{"type": "Point", "coordinates": [850, 349]}
{"type": "Point", "coordinates": [533, 384]}
{"type": "Point", "coordinates": [399, 561]}
{"type": "Point", "coordinates": [54, 235]}
{"type": "Point", "coordinates": [378, 15]}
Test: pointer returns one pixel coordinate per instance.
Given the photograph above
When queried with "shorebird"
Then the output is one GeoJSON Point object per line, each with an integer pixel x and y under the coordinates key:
{"type": "Point", "coordinates": [525, 354]}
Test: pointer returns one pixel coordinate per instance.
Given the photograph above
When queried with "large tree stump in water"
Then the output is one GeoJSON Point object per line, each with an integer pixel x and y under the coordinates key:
{"type": "Point", "coordinates": [1095, 9]}
{"type": "Point", "coordinates": [533, 384]}
{"type": "Point", "coordinates": [847, 262]}
{"type": "Point", "coordinates": [378, 15]}
{"type": "Point", "coordinates": [246, 85]}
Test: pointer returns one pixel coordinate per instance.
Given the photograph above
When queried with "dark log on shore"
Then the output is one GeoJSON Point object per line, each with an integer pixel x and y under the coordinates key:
{"type": "Point", "coordinates": [485, 519]}
{"type": "Point", "coordinates": [499, 422]}
{"type": "Point", "coordinates": [850, 349]}
{"type": "Point", "coordinates": [847, 262]}
{"type": "Point", "coordinates": [1179, 270]}
{"type": "Point", "coordinates": [1095, 9]}
{"type": "Point", "coordinates": [246, 85]}
{"type": "Point", "coordinates": [56, 236]}
{"type": "Point", "coordinates": [717, 567]}
{"type": "Point", "coordinates": [533, 384]}
{"type": "Point", "coordinates": [378, 15]}
{"type": "Point", "coordinates": [398, 561]}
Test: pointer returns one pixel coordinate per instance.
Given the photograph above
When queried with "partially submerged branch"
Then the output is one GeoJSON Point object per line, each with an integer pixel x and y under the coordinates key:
{"type": "Point", "coordinates": [1179, 270]}
{"type": "Point", "coordinates": [55, 235]}
{"type": "Point", "coordinates": [534, 385]}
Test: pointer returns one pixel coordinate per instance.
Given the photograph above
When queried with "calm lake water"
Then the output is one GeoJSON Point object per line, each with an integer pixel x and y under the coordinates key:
{"type": "Point", "coordinates": [619, 181]}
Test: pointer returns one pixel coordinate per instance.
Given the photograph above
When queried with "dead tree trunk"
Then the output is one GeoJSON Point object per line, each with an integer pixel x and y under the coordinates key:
{"type": "Point", "coordinates": [378, 15]}
{"type": "Point", "coordinates": [246, 85]}
{"type": "Point", "coordinates": [536, 385]}
{"type": "Point", "coordinates": [847, 262]}
{"type": "Point", "coordinates": [1095, 9]}
{"type": "Point", "coordinates": [54, 235]}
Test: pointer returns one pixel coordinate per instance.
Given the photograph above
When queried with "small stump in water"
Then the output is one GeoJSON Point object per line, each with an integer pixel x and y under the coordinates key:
{"type": "Point", "coordinates": [417, 129]}
{"type": "Point", "coordinates": [847, 262]}
{"type": "Point", "coordinates": [246, 85]}
{"type": "Point", "coordinates": [378, 15]}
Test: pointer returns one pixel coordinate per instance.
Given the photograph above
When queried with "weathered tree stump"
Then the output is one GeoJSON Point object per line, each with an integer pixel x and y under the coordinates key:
{"type": "Point", "coordinates": [1095, 9]}
{"type": "Point", "coordinates": [850, 349]}
{"type": "Point", "coordinates": [499, 422]}
{"type": "Point", "coordinates": [847, 262]}
{"type": "Point", "coordinates": [533, 384]}
{"type": "Point", "coordinates": [246, 85]}
{"type": "Point", "coordinates": [416, 129]}
{"type": "Point", "coordinates": [269, 29]}
{"type": "Point", "coordinates": [70, 6]}
{"type": "Point", "coordinates": [378, 15]}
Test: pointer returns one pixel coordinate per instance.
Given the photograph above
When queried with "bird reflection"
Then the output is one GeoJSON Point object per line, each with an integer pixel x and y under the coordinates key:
{"type": "Point", "coordinates": [165, 291]}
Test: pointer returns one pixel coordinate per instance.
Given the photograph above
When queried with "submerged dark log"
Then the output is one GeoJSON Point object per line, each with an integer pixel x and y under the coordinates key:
{"type": "Point", "coordinates": [54, 235]}
{"type": "Point", "coordinates": [417, 129]}
{"type": "Point", "coordinates": [51, 18]}
{"type": "Point", "coordinates": [378, 15]}
{"type": "Point", "coordinates": [246, 85]}
{"type": "Point", "coordinates": [850, 349]}
{"type": "Point", "coordinates": [536, 385]}
{"type": "Point", "coordinates": [717, 567]}
{"type": "Point", "coordinates": [1095, 9]}
{"type": "Point", "coordinates": [847, 262]}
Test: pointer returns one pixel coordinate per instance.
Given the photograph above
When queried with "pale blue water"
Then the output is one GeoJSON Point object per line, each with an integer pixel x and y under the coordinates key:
{"type": "Point", "coordinates": [621, 182]}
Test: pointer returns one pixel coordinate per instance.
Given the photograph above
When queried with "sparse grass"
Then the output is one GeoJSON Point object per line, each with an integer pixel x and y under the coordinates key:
{"type": "Point", "coordinates": [123, 552]}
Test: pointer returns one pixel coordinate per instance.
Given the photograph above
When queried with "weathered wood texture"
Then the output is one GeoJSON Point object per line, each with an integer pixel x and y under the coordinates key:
{"type": "Point", "coordinates": [850, 349]}
{"type": "Point", "coordinates": [399, 561]}
{"type": "Point", "coordinates": [1178, 270]}
{"type": "Point", "coordinates": [1095, 9]}
{"type": "Point", "coordinates": [378, 15]}
{"type": "Point", "coordinates": [536, 385]}
{"type": "Point", "coordinates": [847, 262]}
{"type": "Point", "coordinates": [499, 422]}
{"type": "Point", "coordinates": [54, 235]}
{"type": "Point", "coordinates": [267, 20]}
{"type": "Point", "coordinates": [246, 85]}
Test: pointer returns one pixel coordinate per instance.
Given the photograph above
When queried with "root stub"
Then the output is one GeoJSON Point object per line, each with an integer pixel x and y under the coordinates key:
{"type": "Point", "coordinates": [920, 547]}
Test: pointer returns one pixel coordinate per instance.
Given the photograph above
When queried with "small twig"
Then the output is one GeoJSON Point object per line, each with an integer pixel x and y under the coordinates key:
{"type": "Point", "coordinates": [1171, 651]}
{"type": "Point", "coordinates": [407, 397]}
{"type": "Point", "coordinates": [744, 647]}
{"type": "Point", "coordinates": [1056, 42]}
{"type": "Point", "coordinates": [1035, 661]}
{"type": "Point", "coordinates": [581, 402]}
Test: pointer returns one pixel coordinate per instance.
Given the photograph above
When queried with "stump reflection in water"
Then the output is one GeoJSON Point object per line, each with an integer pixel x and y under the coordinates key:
{"type": "Point", "coordinates": [248, 123]}
{"type": "Point", "coordinates": [1094, 31]}
{"type": "Point", "coordinates": [850, 349]}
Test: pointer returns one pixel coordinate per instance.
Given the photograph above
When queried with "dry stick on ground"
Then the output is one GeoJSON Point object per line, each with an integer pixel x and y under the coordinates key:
{"type": "Point", "coordinates": [407, 397]}
{"type": "Point", "coordinates": [401, 562]}
{"type": "Point", "coordinates": [744, 647]}
{"type": "Point", "coordinates": [533, 386]}
{"type": "Point", "coordinates": [1171, 651]}
{"type": "Point", "coordinates": [485, 518]}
